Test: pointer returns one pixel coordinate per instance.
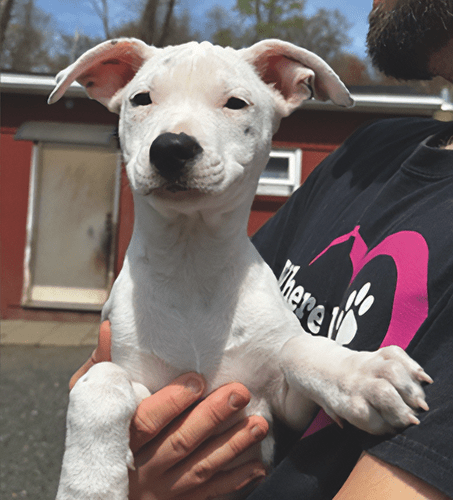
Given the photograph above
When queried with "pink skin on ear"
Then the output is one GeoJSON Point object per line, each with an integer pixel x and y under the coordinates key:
{"type": "Point", "coordinates": [104, 70]}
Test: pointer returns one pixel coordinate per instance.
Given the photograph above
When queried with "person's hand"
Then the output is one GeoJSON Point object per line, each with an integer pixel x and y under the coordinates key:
{"type": "Point", "coordinates": [178, 450]}
{"type": "Point", "coordinates": [185, 457]}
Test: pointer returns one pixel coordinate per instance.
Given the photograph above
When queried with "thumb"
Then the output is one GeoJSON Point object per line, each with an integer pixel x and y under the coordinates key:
{"type": "Point", "coordinates": [101, 353]}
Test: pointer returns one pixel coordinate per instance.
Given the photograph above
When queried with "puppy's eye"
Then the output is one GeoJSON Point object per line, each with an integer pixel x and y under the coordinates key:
{"type": "Point", "coordinates": [236, 103]}
{"type": "Point", "coordinates": [142, 99]}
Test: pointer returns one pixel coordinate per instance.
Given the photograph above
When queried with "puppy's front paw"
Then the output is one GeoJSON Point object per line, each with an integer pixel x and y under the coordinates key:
{"type": "Point", "coordinates": [97, 453]}
{"type": "Point", "coordinates": [383, 390]}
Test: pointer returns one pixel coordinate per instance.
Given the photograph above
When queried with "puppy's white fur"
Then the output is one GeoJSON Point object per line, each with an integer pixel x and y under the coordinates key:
{"type": "Point", "coordinates": [194, 294]}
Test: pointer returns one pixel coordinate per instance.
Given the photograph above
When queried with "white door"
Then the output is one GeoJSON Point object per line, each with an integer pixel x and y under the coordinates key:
{"type": "Point", "coordinates": [71, 226]}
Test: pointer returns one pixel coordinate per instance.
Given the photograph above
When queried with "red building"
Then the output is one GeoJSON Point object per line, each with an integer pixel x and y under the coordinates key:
{"type": "Point", "coordinates": [63, 237]}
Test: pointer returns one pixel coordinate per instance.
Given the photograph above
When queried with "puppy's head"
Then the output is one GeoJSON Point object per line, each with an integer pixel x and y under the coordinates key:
{"type": "Point", "coordinates": [197, 120]}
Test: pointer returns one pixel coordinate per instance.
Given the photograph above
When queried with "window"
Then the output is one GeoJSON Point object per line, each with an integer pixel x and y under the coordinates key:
{"type": "Point", "coordinates": [72, 219]}
{"type": "Point", "coordinates": [282, 173]}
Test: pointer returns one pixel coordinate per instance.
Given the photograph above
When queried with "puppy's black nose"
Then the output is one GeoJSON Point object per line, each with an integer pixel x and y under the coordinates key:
{"type": "Point", "coordinates": [169, 153]}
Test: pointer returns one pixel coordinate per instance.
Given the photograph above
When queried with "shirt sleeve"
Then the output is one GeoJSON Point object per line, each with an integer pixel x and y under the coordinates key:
{"type": "Point", "coordinates": [426, 450]}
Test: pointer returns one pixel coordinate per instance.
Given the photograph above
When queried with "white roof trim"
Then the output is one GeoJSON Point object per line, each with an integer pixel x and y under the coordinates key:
{"type": "Point", "coordinates": [385, 103]}
{"type": "Point", "coordinates": [35, 84]}
{"type": "Point", "coordinates": [388, 103]}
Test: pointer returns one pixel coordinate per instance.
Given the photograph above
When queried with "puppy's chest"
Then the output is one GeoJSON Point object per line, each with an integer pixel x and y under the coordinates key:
{"type": "Point", "coordinates": [186, 326]}
{"type": "Point", "coordinates": [191, 330]}
{"type": "Point", "coordinates": [210, 331]}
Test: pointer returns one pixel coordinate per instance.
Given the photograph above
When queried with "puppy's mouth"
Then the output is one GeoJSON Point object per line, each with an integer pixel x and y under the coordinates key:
{"type": "Point", "coordinates": [176, 188]}
{"type": "Point", "coordinates": [177, 192]}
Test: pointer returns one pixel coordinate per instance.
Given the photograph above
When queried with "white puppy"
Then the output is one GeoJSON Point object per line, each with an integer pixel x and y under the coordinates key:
{"type": "Point", "coordinates": [196, 123]}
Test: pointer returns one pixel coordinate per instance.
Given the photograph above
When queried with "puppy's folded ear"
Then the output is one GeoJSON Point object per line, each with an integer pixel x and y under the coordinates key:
{"type": "Point", "coordinates": [105, 70]}
{"type": "Point", "coordinates": [296, 74]}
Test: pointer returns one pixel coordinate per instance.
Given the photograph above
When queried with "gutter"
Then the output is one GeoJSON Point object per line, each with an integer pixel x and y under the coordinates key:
{"type": "Point", "coordinates": [16, 83]}
{"type": "Point", "coordinates": [377, 103]}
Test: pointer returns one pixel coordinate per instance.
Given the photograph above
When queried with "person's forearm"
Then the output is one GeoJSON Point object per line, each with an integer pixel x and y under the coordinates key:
{"type": "Point", "coordinates": [373, 479]}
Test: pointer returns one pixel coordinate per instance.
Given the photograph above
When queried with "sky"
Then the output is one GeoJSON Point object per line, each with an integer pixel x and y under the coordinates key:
{"type": "Point", "coordinates": [72, 15]}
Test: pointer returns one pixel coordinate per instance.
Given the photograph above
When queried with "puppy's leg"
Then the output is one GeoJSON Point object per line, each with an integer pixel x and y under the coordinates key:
{"type": "Point", "coordinates": [97, 454]}
{"type": "Point", "coordinates": [378, 392]}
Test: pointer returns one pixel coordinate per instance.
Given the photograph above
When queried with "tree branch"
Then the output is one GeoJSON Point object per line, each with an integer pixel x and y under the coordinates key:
{"type": "Point", "coordinates": [5, 15]}
{"type": "Point", "coordinates": [166, 25]}
{"type": "Point", "coordinates": [148, 22]}
{"type": "Point", "coordinates": [103, 12]}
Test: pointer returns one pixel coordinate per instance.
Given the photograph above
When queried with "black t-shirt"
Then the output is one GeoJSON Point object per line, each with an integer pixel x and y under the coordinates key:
{"type": "Point", "coordinates": [364, 255]}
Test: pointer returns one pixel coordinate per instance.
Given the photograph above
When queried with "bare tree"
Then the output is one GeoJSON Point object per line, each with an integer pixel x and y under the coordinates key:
{"type": "Point", "coordinates": [101, 8]}
{"type": "Point", "coordinates": [166, 25]}
{"type": "Point", "coordinates": [29, 39]}
{"type": "Point", "coordinates": [148, 21]}
{"type": "Point", "coordinates": [6, 8]}
{"type": "Point", "coordinates": [153, 13]}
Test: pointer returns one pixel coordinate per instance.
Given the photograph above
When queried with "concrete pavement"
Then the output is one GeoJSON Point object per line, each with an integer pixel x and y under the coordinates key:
{"type": "Point", "coordinates": [34, 397]}
{"type": "Point", "coordinates": [48, 333]}
{"type": "Point", "coordinates": [37, 361]}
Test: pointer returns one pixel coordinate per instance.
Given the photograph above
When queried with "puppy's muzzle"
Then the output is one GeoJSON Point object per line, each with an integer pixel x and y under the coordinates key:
{"type": "Point", "coordinates": [171, 154]}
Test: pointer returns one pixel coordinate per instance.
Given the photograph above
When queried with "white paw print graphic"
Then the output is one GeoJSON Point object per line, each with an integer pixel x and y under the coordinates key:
{"type": "Point", "coordinates": [343, 326]}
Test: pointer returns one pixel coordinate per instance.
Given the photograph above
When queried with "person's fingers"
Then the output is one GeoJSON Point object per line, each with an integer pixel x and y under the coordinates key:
{"type": "Point", "coordinates": [229, 481]}
{"type": "Point", "coordinates": [187, 459]}
{"type": "Point", "coordinates": [101, 353]}
{"type": "Point", "coordinates": [218, 453]}
{"type": "Point", "coordinates": [184, 435]}
{"type": "Point", "coordinates": [158, 410]}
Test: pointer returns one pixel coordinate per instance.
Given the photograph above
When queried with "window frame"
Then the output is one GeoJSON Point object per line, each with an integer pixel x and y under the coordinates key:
{"type": "Point", "coordinates": [283, 187]}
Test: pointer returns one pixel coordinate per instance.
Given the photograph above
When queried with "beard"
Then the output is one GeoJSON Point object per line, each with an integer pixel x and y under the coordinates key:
{"type": "Point", "coordinates": [401, 40]}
